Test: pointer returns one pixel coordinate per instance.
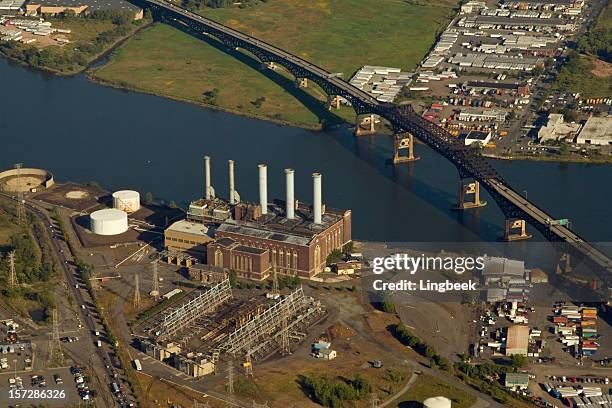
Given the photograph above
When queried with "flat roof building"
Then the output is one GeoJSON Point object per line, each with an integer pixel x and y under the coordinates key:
{"type": "Point", "coordinates": [557, 129]}
{"type": "Point", "coordinates": [189, 237]}
{"type": "Point", "coordinates": [516, 381]}
{"type": "Point", "coordinates": [596, 131]}
{"type": "Point", "coordinates": [517, 340]}
{"type": "Point", "coordinates": [476, 136]}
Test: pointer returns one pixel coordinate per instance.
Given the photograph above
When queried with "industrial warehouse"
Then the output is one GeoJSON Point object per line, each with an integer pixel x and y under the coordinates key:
{"type": "Point", "coordinates": [252, 239]}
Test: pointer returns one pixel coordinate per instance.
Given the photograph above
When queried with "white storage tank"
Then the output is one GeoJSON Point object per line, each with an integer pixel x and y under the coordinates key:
{"type": "Point", "coordinates": [108, 222]}
{"type": "Point", "coordinates": [437, 402]}
{"type": "Point", "coordinates": [126, 200]}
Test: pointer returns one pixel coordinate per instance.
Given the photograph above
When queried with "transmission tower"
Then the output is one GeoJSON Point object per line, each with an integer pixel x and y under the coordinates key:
{"type": "Point", "coordinates": [136, 292]}
{"type": "Point", "coordinates": [12, 273]}
{"type": "Point", "coordinates": [230, 379]}
{"type": "Point", "coordinates": [55, 348]}
{"type": "Point", "coordinates": [155, 290]}
{"type": "Point", "coordinates": [21, 213]}
{"type": "Point", "coordinates": [248, 366]}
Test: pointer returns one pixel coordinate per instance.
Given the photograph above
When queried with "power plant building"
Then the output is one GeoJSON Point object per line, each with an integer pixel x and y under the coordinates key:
{"type": "Point", "coordinates": [253, 239]}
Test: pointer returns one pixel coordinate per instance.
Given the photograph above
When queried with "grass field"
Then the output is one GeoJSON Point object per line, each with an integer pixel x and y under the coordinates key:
{"type": "Point", "coordinates": [427, 386]}
{"type": "Point", "coordinates": [339, 35]}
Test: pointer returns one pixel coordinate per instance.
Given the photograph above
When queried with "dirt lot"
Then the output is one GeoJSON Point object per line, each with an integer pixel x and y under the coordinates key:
{"type": "Point", "coordinates": [59, 195]}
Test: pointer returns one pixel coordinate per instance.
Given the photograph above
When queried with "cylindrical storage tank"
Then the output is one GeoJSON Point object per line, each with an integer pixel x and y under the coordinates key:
{"type": "Point", "coordinates": [437, 402]}
{"type": "Point", "coordinates": [126, 200]}
{"type": "Point", "coordinates": [108, 222]}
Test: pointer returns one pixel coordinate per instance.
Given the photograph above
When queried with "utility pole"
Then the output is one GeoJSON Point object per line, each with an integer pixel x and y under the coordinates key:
{"type": "Point", "coordinates": [248, 365]}
{"type": "Point", "coordinates": [155, 290]}
{"type": "Point", "coordinates": [21, 214]}
{"type": "Point", "coordinates": [12, 273]}
{"type": "Point", "coordinates": [136, 293]}
{"type": "Point", "coordinates": [374, 401]}
{"type": "Point", "coordinates": [285, 347]}
{"type": "Point", "coordinates": [230, 379]}
{"type": "Point", "coordinates": [275, 288]}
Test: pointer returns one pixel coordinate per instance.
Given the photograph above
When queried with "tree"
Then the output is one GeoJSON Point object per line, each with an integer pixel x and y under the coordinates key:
{"type": "Point", "coordinates": [518, 361]}
{"type": "Point", "coordinates": [148, 198]}
{"type": "Point", "coordinates": [334, 256]}
{"type": "Point", "coordinates": [233, 278]}
{"type": "Point", "coordinates": [388, 306]}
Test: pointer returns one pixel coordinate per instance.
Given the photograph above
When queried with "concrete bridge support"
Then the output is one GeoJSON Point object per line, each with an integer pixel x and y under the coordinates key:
{"type": "Point", "coordinates": [403, 142]}
{"type": "Point", "coordinates": [333, 102]}
{"type": "Point", "coordinates": [467, 188]}
{"type": "Point", "coordinates": [565, 264]}
{"type": "Point", "coordinates": [365, 126]}
{"type": "Point", "coordinates": [301, 82]}
{"type": "Point", "coordinates": [514, 224]}
{"type": "Point", "coordinates": [268, 65]}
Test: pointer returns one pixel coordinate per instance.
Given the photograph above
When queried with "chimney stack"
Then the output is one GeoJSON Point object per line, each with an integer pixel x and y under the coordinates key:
{"type": "Point", "coordinates": [290, 200]}
{"type": "Point", "coordinates": [316, 201]}
{"type": "Point", "coordinates": [263, 188]}
{"type": "Point", "coordinates": [232, 190]}
{"type": "Point", "coordinates": [209, 192]}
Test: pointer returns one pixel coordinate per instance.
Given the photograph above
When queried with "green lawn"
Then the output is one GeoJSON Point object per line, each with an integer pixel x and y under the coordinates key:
{"type": "Point", "coordinates": [343, 35]}
{"type": "Point", "coordinates": [339, 35]}
{"type": "Point", "coordinates": [427, 386]}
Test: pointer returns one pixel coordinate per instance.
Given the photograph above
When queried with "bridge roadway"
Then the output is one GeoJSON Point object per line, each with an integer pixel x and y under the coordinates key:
{"type": "Point", "coordinates": [468, 161]}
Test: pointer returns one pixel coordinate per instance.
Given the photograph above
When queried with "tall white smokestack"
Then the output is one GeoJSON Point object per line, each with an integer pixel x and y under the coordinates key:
{"type": "Point", "coordinates": [232, 190]}
{"type": "Point", "coordinates": [290, 210]}
{"type": "Point", "coordinates": [263, 188]}
{"type": "Point", "coordinates": [316, 201]}
{"type": "Point", "coordinates": [209, 191]}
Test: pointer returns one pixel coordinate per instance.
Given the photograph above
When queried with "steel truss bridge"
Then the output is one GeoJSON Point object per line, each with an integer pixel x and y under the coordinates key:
{"type": "Point", "coordinates": [403, 119]}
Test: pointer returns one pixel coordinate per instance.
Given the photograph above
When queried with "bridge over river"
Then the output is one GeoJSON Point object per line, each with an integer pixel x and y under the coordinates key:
{"type": "Point", "coordinates": [403, 119]}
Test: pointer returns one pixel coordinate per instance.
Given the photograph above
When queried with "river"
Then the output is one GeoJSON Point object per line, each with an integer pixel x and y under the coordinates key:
{"type": "Point", "coordinates": [82, 131]}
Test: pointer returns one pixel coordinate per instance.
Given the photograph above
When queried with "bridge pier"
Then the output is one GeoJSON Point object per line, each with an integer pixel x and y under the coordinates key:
{"type": "Point", "coordinates": [365, 126]}
{"type": "Point", "coordinates": [513, 224]}
{"type": "Point", "coordinates": [301, 82]}
{"type": "Point", "coordinates": [401, 142]}
{"type": "Point", "coordinates": [333, 102]}
{"type": "Point", "coordinates": [467, 188]}
{"type": "Point", "coordinates": [268, 65]}
{"type": "Point", "coordinates": [565, 264]}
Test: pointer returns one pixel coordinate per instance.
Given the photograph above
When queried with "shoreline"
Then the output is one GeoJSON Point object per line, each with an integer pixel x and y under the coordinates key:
{"type": "Point", "coordinates": [547, 159]}
{"type": "Point", "coordinates": [89, 73]}
{"type": "Point", "coordinates": [95, 59]}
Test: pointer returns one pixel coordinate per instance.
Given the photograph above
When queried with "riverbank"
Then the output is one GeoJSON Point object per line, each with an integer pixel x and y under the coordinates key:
{"type": "Point", "coordinates": [92, 39]}
{"type": "Point", "coordinates": [550, 159]}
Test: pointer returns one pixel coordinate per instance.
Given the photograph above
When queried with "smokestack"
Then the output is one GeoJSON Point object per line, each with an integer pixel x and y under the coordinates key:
{"type": "Point", "coordinates": [209, 192]}
{"type": "Point", "coordinates": [232, 190]}
{"type": "Point", "coordinates": [316, 201]}
{"type": "Point", "coordinates": [263, 188]}
{"type": "Point", "coordinates": [290, 205]}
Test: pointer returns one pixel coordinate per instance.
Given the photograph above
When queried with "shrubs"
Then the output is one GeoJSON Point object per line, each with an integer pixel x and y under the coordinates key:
{"type": "Point", "coordinates": [333, 392]}
{"type": "Point", "coordinates": [404, 335]}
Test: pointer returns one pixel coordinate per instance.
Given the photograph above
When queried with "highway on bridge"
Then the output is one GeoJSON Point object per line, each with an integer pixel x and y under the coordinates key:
{"type": "Point", "coordinates": [469, 161]}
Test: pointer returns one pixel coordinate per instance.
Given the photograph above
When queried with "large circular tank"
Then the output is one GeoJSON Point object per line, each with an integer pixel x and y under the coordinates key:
{"type": "Point", "coordinates": [437, 402]}
{"type": "Point", "coordinates": [126, 200]}
{"type": "Point", "coordinates": [108, 222]}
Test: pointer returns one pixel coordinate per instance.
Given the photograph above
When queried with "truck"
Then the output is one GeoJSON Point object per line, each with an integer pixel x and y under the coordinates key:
{"type": "Point", "coordinates": [98, 343]}
{"type": "Point", "coordinates": [137, 365]}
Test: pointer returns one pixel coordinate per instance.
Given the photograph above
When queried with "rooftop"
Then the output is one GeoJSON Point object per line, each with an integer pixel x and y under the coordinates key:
{"type": "Point", "coordinates": [189, 227]}
{"type": "Point", "coordinates": [597, 128]}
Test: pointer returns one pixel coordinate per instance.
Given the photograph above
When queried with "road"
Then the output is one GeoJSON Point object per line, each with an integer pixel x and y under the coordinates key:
{"type": "Point", "coordinates": [99, 362]}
